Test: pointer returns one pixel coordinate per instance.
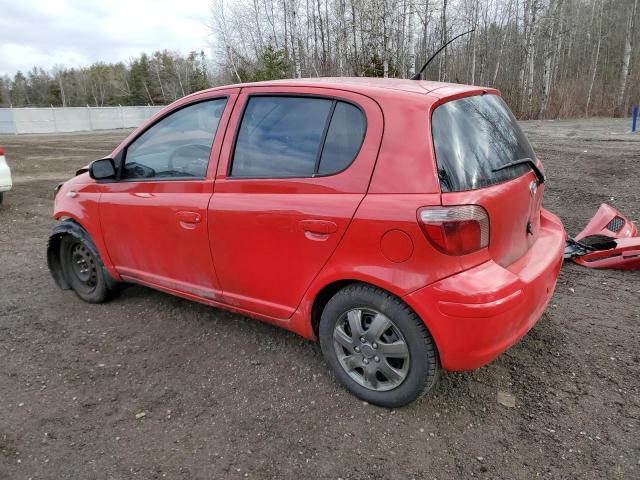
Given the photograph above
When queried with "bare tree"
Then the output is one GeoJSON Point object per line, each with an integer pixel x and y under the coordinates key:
{"type": "Point", "coordinates": [596, 57]}
{"type": "Point", "coordinates": [295, 38]}
{"type": "Point", "coordinates": [626, 57]}
{"type": "Point", "coordinates": [411, 46]}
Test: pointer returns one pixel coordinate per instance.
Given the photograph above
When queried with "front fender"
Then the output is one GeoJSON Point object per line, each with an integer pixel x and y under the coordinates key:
{"type": "Point", "coordinates": [64, 228]}
{"type": "Point", "coordinates": [79, 200]}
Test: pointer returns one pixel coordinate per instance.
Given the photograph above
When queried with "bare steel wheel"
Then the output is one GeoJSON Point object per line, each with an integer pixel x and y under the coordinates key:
{"type": "Point", "coordinates": [78, 263]}
{"type": "Point", "coordinates": [377, 346]}
{"type": "Point", "coordinates": [83, 265]}
{"type": "Point", "coordinates": [371, 349]}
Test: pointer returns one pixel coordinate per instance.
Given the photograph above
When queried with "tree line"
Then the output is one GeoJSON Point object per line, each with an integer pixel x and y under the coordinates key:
{"type": "Point", "coordinates": [549, 58]}
{"type": "Point", "coordinates": [156, 79]}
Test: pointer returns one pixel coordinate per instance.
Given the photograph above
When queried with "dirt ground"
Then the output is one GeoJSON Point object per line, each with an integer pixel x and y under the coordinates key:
{"type": "Point", "coordinates": [229, 397]}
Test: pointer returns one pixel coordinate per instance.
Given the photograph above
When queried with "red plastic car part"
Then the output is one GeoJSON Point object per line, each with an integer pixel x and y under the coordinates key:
{"type": "Point", "coordinates": [610, 222]}
{"type": "Point", "coordinates": [625, 256]}
{"type": "Point", "coordinates": [608, 241]}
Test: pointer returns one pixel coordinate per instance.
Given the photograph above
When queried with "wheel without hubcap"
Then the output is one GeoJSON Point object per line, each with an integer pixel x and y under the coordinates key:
{"type": "Point", "coordinates": [371, 349]}
{"type": "Point", "coordinates": [83, 266]}
{"type": "Point", "coordinates": [83, 269]}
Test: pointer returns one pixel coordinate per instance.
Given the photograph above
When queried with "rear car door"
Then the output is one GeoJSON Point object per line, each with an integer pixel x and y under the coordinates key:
{"type": "Point", "coordinates": [295, 165]}
{"type": "Point", "coordinates": [153, 216]}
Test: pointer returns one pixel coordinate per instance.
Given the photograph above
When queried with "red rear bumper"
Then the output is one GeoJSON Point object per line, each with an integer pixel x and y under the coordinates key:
{"type": "Point", "coordinates": [477, 314]}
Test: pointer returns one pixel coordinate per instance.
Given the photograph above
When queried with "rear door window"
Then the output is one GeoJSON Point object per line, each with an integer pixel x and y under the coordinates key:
{"type": "Point", "coordinates": [472, 137]}
{"type": "Point", "coordinates": [344, 138]}
{"type": "Point", "coordinates": [282, 137]}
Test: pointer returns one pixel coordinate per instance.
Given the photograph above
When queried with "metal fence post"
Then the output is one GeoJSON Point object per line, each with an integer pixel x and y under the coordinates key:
{"type": "Point", "coordinates": [13, 119]}
{"type": "Point", "coordinates": [90, 122]}
{"type": "Point", "coordinates": [55, 122]}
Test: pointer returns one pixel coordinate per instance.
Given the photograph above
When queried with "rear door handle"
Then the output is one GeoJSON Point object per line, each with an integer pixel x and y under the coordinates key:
{"type": "Point", "coordinates": [188, 217]}
{"type": "Point", "coordinates": [319, 227]}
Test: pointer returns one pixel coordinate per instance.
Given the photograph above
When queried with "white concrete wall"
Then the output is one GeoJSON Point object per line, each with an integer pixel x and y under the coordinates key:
{"type": "Point", "coordinates": [6, 121]}
{"type": "Point", "coordinates": [71, 119]}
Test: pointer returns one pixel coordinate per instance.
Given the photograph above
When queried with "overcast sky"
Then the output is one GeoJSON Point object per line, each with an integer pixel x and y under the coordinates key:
{"type": "Point", "coordinates": [79, 32]}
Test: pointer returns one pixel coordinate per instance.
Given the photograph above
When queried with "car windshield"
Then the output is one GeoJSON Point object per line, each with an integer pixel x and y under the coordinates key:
{"type": "Point", "coordinates": [473, 137]}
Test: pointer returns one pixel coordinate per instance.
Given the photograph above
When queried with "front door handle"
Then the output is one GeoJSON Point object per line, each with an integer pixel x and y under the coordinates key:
{"type": "Point", "coordinates": [318, 227]}
{"type": "Point", "coordinates": [188, 217]}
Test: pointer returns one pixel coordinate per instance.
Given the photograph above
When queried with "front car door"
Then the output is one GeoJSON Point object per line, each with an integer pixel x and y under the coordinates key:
{"type": "Point", "coordinates": [154, 216]}
{"type": "Point", "coordinates": [294, 167]}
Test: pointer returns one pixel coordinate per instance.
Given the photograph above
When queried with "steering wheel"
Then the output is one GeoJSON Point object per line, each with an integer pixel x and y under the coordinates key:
{"type": "Point", "coordinates": [194, 154]}
{"type": "Point", "coordinates": [138, 170]}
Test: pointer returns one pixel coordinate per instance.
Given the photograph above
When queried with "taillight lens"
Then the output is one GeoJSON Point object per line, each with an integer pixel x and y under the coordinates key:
{"type": "Point", "coordinates": [455, 230]}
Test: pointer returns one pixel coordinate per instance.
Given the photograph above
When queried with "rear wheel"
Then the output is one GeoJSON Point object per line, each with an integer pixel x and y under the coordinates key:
{"type": "Point", "coordinates": [84, 270]}
{"type": "Point", "coordinates": [377, 347]}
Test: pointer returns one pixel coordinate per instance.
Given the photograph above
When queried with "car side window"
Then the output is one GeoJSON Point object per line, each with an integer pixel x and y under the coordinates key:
{"type": "Point", "coordinates": [178, 146]}
{"type": "Point", "coordinates": [344, 138]}
{"type": "Point", "coordinates": [282, 137]}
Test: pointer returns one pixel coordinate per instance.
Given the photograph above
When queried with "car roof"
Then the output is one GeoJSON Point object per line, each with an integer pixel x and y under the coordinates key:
{"type": "Point", "coordinates": [365, 85]}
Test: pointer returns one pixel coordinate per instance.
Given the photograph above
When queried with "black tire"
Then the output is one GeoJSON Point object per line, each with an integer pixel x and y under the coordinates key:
{"type": "Point", "coordinates": [1, 197]}
{"type": "Point", "coordinates": [83, 269]}
{"type": "Point", "coordinates": [407, 328]}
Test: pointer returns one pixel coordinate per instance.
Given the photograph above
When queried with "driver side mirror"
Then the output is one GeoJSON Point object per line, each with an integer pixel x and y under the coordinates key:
{"type": "Point", "coordinates": [102, 169]}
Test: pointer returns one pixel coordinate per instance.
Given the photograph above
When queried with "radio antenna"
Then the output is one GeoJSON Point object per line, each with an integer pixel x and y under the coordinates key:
{"type": "Point", "coordinates": [418, 76]}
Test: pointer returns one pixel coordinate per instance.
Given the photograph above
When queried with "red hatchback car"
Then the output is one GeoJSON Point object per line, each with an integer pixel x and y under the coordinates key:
{"type": "Point", "coordinates": [397, 221]}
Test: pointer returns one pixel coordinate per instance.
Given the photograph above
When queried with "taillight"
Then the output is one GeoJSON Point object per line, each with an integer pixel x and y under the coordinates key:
{"type": "Point", "coordinates": [1, 151]}
{"type": "Point", "coordinates": [455, 230]}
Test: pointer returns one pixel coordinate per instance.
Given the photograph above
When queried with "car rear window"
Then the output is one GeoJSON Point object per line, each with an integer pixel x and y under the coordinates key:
{"type": "Point", "coordinates": [472, 137]}
{"type": "Point", "coordinates": [282, 137]}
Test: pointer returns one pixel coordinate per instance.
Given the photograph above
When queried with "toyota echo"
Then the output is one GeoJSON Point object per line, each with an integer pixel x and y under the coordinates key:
{"type": "Point", "coordinates": [398, 222]}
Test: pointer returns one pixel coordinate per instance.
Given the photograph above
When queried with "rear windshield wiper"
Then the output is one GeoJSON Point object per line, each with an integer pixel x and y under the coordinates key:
{"type": "Point", "coordinates": [523, 161]}
{"type": "Point", "coordinates": [445, 179]}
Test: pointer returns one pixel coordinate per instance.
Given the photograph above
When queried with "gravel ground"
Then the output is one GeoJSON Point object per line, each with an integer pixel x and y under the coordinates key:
{"type": "Point", "coordinates": [224, 396]}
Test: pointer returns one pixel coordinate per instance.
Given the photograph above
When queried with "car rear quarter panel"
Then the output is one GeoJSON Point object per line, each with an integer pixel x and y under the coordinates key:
{"type": "Point", "coordinates": [363, 254]}
{"type": "Point", "coordinates": [405, 162]}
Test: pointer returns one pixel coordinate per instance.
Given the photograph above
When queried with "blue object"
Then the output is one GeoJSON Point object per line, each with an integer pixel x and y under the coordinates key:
{"type": "Point", "coordinates": [634, 122]}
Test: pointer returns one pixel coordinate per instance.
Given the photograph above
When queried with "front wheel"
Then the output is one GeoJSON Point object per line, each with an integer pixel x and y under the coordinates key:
{"type": "Point", "coordinates": [377, 347]}
{"type": "Point", "coordinates": [84, 270]}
